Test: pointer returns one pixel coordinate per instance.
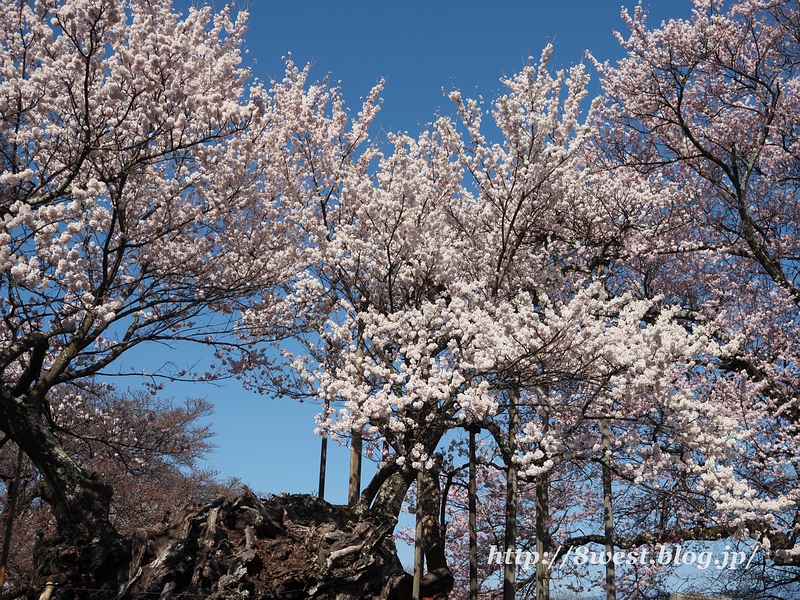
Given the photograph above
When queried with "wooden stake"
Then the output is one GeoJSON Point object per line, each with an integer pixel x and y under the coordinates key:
{"type": "Point", "coordinates": [473, 525]}
{"type": "Point", "coordinates": [415, 594]}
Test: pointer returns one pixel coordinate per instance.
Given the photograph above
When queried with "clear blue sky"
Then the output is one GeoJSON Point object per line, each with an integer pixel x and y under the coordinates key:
{"type": "Point", "coordinates": [419, 47]}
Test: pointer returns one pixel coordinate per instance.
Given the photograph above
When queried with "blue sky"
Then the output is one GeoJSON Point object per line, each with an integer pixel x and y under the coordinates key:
{"type": "Point", "coordinates": [420, 48]}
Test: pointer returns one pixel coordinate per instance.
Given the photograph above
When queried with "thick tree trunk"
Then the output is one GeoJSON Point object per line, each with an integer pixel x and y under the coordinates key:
{"type": "Point", "coordinates": [392, 489]}
{"type": "Point", "coordinates": [296, 547]}
{"type": "Point", "coordinates": [11, 508]}
{"type": "Point", "coordinates": [391, 493]}
{"type": "Point", "coordinates": [79, 500]}
{"type": "Point", "coordinates": [287, 547]}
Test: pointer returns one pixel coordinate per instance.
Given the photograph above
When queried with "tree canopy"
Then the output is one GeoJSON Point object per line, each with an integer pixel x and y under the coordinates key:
{"type": "Point", "coordinates": [608, 288]}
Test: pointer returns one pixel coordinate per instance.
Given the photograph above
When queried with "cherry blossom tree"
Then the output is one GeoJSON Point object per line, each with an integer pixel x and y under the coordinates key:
{"type": "Point", "coordinates": [702, 114]}
{"type": "Point", "coordinates": [569, 288]}
{"type": "Point", "coordinates": [709, 108]}
{"type": "Point", "coordinates": [635, 359]}
{"type": "Point", "coordinates": [146, 188]}
{"type": "Point", "coordinates": [570, 264]}
{"type": "Point", "coordinates": [460, 270]}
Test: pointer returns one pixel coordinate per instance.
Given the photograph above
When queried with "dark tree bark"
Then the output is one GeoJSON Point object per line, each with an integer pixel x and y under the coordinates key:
{"type": "Point", "coordinates": [383, 498]}
{"type": "Point", "coordinates": [354, 486]}
{"type": "Point", "coordinates": [473, 521]}
{"type": "Point", "coordinates": [356, 443]}
{"type": "Point", "coordinates": [608, 515]}
{"type": "Point", "coordinates": [323, 454]}
{"type": "Point", "coordinates": [542, 535]}
{"type": "Point", "coordinates": [509, 575]}
{"type": "Point", "coordinates": [297, 547]}
{"type": "Point", "coordinates": [433, 539]}
{"type": "Point", "coordinates": [80, 500]}
{"type": "Point", "coordinates": [10, 510]}
{"type": "Point", "coordinates": [418, 543]}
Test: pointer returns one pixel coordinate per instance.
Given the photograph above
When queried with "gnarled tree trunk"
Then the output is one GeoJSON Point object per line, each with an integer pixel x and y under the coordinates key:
{"type": "Point", "coordinates": [80, 500]}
